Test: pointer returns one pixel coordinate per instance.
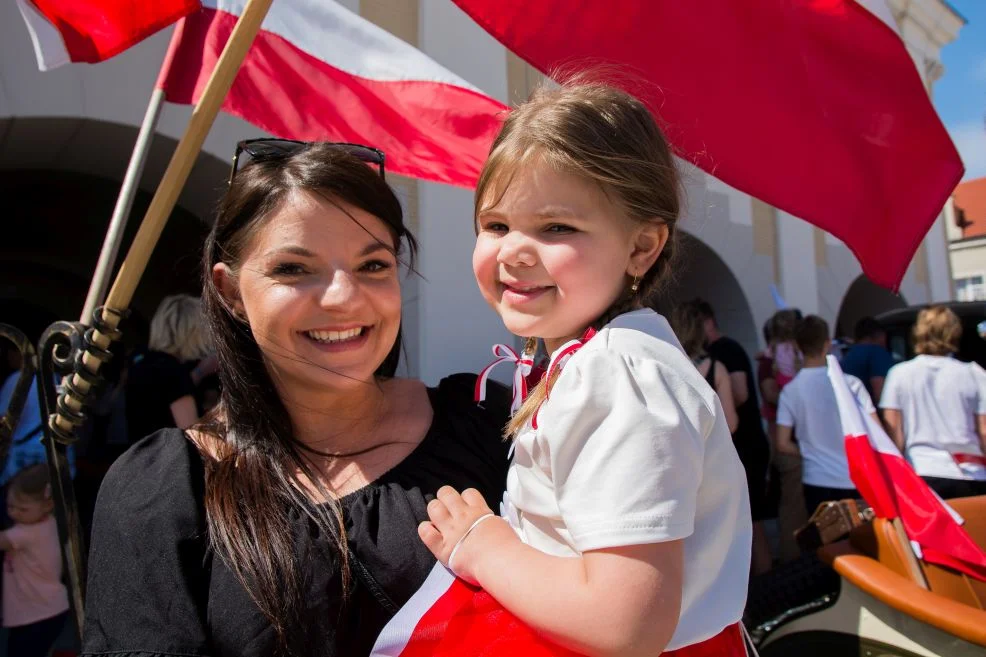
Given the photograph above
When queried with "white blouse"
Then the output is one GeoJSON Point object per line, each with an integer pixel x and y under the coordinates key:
{"type": "Point", "coordinates": [632, 447]}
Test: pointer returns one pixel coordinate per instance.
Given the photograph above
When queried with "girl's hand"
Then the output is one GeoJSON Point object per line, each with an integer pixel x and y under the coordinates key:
{"type": "Point", "coordinates": [453, 522]}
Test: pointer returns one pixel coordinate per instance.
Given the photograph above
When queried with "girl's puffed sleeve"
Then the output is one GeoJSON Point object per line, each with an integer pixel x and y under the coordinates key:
{"type": "Point", "coordinates": [626, 438]}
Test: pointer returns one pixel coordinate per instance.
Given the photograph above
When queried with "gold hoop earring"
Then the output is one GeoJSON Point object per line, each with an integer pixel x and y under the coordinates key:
{"type": "Point", "coordinates": [635, 285]}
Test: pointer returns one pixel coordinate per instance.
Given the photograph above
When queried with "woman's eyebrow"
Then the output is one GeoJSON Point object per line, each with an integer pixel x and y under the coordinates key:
{"type": "Point", "coordinates": [292, 249]}
{"type": "Point", "coordinates": [375, 246]}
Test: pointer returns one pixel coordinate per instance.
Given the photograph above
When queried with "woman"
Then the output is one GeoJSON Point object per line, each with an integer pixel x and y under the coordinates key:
{"type": "Point", "coordinates": [688, 323]}
{"type": "Point", "coordinates": [935, 408]}
{"type": "Point", "coordinates": [160, 382]}
{"type": "Point", "coordinates": [287, 523]}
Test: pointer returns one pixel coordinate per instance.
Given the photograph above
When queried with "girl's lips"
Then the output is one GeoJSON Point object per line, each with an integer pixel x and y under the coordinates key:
{"type": "Point", "coordinates": [515, 295]}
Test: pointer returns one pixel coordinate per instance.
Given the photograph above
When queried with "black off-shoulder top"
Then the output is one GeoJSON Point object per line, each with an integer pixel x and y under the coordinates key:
{"type": "Point", "coordinates": [155, 588]}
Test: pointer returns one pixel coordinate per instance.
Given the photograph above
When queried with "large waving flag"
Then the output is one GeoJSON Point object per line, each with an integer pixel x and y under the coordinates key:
{"type": "Point", "coordinates": [90, 31]}
{"type": "Point", "coordinates": [317, 71]}
{"type": "Point", "coordinates": [814, 107]}
{"type": "Point", "coordinates": [892, 488]}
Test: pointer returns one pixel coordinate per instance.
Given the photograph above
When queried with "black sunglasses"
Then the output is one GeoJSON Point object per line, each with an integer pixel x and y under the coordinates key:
{"type": "Point", "coordinates": [266, 148]}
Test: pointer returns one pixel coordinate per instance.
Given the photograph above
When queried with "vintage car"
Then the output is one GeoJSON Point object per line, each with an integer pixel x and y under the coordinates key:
{"type": "Point", "coordinates": [868, 595]}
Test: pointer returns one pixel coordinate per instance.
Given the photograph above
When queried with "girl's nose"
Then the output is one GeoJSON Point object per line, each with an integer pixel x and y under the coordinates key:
{"type": "Point", "coordinates": [516, 250]}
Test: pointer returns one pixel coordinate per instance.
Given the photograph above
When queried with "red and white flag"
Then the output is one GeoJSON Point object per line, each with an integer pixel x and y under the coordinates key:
{"type": "Point", "coordinates": [317, 71]}
{"type": "Point", "coordinates": [66, 31]}
{"type": "Point", "coordinates": [814, 107]}
{"type": "Point", "coordinates": [892, 488]}
{"type": "Point", "coordinates": [448, 618]}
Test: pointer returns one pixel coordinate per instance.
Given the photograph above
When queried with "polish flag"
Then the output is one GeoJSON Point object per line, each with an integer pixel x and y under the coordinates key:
{"type": "Point", "coordinates": [89, 31]}
{"type": "Point", "coordinates": [814, 107]}
{"type": "Point", "coordinates": [448, 618]}
{"type": "Point", "coordinates": [892, 488]}
{"type": "Point", "coordinates": [317, 71]}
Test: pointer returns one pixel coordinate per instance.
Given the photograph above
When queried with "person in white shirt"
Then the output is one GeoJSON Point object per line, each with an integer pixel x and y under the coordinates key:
{"type": "Point", "coordinates": [807, 409]}
{"type": "Point", "coordinates": [628, 526]}
{"type": "Point", "coordinates": [935, 408]}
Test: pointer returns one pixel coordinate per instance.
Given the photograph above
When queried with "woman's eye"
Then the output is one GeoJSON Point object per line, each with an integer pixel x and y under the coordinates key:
{"type": "Point", "coordinates": [375, 266]}
{"type": "Point", "coordinates": [288, 269]}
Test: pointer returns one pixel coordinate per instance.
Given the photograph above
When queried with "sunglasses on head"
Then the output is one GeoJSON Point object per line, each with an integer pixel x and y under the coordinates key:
{"type": "Point", "coordinates": [272, 149]}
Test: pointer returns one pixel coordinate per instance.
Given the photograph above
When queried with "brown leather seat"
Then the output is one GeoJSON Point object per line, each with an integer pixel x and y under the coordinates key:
{"type": "Point", "coordinates": [880, 541]}
{"type": "Point", "coordinates": [901, 593]}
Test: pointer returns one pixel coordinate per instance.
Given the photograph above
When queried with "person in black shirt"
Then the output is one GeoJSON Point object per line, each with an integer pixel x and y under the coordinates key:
{"type": "Point", "coordinates": [286, 522]}
{"type": "Point", "coordinates": [160, 382]}
{"type": "Point", "coordinates": [749, 438]}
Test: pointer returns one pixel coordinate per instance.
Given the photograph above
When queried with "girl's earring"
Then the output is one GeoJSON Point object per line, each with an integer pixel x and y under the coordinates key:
{"type": "Point", "coordinates": [635, 285]}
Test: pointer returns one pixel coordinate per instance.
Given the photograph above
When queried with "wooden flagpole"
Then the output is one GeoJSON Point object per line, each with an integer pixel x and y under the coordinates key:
{"type": "Point", "coordinates": [171, 184]}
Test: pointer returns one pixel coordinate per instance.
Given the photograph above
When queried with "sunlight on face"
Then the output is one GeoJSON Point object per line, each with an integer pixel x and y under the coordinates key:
{"type": "Point", "coordinates": [319, 286]}
{"type": "Point", "coordinates": [551, 257]}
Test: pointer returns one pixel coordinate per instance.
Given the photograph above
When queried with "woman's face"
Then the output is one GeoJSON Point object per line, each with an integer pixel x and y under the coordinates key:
{"type": "Point", "coordinates": [319, 287]}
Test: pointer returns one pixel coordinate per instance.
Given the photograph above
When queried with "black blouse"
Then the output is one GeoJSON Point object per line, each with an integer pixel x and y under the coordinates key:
{"type": "Point", "coordinates": [156, 590]}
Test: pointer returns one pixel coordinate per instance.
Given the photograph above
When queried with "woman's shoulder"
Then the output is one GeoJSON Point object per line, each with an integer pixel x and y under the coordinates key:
{"type": "Point", "coordinates": [456, 394]}
{"type": "Point", "coordinates": [163, 473]}
{"type": "Point", "coordinates": [466, 423]}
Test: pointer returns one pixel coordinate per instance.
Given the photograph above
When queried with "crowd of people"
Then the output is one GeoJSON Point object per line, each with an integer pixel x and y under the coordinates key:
{"type": "Point", "coordinates": [295, 507]}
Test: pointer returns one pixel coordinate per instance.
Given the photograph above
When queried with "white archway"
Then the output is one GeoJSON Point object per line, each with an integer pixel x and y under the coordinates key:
{"type": "Point", "coordinates": [701, 272]}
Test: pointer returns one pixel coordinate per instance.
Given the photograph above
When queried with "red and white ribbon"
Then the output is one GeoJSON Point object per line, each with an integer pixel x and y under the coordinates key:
{"type": "Point", "coordinates": [558, 359]}
{"type": "Point", "coordinates": [523, 364]}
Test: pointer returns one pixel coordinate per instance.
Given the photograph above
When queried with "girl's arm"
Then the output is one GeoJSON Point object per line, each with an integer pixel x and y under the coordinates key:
{"type": "Point", "coordinates": [615, 601]}
{"type": "Point", "coordinates": [5, 544]}
{"type": "Point", "coordinates": [725, 391]}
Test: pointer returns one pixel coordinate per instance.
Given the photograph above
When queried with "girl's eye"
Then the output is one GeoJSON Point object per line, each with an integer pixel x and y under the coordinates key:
{"type": "Point", "coordinates": [496, 227]}
{"type": "Point", "coordinates": [375, 266]}
{"type": "Point", "coordinates": [288, 269]}
{"type": "Point", "coordinates": [559, 228]}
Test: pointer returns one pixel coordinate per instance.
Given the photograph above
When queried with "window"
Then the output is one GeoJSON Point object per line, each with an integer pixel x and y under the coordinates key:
{"type": "Point", "coordinates": [971, 288]}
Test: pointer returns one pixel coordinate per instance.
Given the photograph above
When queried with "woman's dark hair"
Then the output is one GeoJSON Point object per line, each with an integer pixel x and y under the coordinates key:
{"type": "Point", "coordinates": [252, 459]}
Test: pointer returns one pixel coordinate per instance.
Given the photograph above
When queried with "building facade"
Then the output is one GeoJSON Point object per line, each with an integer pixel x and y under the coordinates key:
{"type": "Point", "coordinates": [966, 222]}
{"type": "Point", "coordinates": [66, 136]}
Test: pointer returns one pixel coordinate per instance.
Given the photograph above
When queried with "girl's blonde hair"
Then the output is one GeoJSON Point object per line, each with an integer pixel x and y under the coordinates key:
{"type": "Point", "coordinates": [937, 331]}
{"type": "Point", "coordinates": [608, 138]}
{"type": "Point", "coordinates": [178, 328]}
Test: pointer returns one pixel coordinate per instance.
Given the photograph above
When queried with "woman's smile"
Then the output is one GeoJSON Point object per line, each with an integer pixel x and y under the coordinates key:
{"type": "Point", "coordinates": [339, 340]}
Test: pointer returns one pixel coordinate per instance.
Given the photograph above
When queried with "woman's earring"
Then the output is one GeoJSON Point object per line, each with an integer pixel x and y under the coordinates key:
{"type": "Point", "coordinates": [635, 285]}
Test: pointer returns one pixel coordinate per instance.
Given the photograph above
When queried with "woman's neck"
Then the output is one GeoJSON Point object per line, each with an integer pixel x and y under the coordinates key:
{"type": "Point", "coordinates": [336, 421]}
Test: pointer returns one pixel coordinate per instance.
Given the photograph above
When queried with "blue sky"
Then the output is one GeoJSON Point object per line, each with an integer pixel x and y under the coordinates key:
{"type": "Point", "coordinates": [960, 95]}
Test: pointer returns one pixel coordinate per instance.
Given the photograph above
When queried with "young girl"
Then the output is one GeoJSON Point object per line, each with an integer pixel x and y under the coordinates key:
{"type": "Point", "coordinates": [627, 516]}
{"type": "Point", "coordinates": [783, 348]}
{"type": "Point", "coordinates": [35, 602]}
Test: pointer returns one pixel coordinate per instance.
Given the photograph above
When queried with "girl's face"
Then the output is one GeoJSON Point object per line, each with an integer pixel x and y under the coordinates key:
{"type": "Point", "coordinates": [555, 253]}
{"type": "Point", "coordinates": [25, 510]}
{"type": "Point", "coordinates": [319, 287]}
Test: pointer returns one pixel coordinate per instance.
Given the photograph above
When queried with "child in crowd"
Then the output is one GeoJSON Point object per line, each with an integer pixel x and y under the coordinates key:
{"type": "Point", "coordinates": [35, 602]}
{"type": "Point", "coordinates": [808, 407]}
{"type": "Point", "coordinates": [783, 347]}
{"type": "Point", "coordinates": [627, 516]}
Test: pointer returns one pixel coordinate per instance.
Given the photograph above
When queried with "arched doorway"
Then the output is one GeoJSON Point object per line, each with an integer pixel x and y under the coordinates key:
{"type": "Point", "coordinates": [54, 226]}
{"type": "Point", "coordinates": [700, 272]}
{"type": "Point", "coordinates": [864, 298]}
